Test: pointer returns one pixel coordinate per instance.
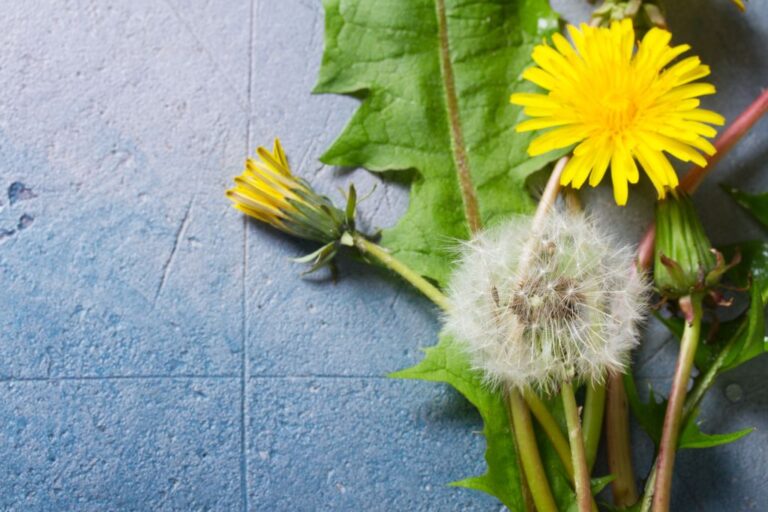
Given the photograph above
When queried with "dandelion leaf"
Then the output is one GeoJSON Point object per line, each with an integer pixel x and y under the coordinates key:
{"type": "Point", "coordinates": [446, 362]}
{"type": "Point", "coordinates": [435, 77]}
{"type": "Point", "coordinates": [650, 416]}
{"type": "Point", "coordinates": [755, 204]}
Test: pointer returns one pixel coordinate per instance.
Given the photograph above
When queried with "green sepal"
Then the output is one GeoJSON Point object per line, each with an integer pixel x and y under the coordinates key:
{"type": "Point", "coordinates": [319, 258]}
{"type": "Point", "coordinates": [684, 259]}
{"type": "Point", "coordinates": [351, 206]}
{"type": "Point", "coordinates": [743, 337]}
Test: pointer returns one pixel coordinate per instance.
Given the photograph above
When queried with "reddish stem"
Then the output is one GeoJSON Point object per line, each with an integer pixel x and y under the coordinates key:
{"type": "Point", "coordinates": [617, 415]}
{"type": "Point", "coordinates": [696, 175]}
{"type": "Point", "coordinates": [727, 140]}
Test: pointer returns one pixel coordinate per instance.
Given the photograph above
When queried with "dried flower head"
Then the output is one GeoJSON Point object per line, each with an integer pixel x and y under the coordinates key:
{"type": "Point", "coordinates": [618, 105]}
{"type": "Point", "coordinates": [536, 306]}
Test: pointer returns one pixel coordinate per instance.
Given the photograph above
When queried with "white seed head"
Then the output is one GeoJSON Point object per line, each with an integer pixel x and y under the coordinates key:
{"type": "Point", "coordinates": [538, 306]}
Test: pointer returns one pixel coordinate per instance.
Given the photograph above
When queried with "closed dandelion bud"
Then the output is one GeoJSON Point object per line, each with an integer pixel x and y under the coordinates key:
{"type": "Point", "coordinates": [685, 261]}
{"type": "Point", "coordinates": [537, 306]}
{"type": "Point", "coordinates": [269, 192]}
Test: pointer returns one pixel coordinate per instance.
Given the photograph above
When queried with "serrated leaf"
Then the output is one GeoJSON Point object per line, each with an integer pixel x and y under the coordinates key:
{"type": "Point", "coordinates": [693, 437]}
{"type": "Point", "coordinates": [756, 204]}
{"type": "Point", "coordinates": [435, 78]}
{"type": "Point", "coordinates": [650, 416]}
{"type": "Point", "coordinates": [745, 335]}
{"type": "Point", "coordinates": [447, 363]}
{"type": "Point", "coordinates": [751, 341]}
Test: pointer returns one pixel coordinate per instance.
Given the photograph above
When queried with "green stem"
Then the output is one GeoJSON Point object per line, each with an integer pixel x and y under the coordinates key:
{"type": "Point", "coordinates": [674, 415]}
{"type": "Point", "coordinates": [618, 444]}
{"type": "Point", "coordinates": [529, 453]}
{"type": "Point", "coordinates": [594, 408]}
{"type": "Point", "coordinates": [551, 428]}
{"type": "Point", "coordinates": [528, 505]}
{"type": "Point", "coordinates": [365, 246]}
{"type": "Point", "coordinates": [692, 401]}
{"type": "Point", "coordinates": [578, 453]}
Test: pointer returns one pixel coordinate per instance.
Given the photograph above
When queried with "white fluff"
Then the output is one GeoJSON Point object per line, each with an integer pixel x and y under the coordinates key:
{"type": "Point", "coordinates": [538, 307]}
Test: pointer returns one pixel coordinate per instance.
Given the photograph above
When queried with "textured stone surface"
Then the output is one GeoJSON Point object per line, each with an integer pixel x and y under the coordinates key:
{"type": "Point", "coordinates": [159, 353]}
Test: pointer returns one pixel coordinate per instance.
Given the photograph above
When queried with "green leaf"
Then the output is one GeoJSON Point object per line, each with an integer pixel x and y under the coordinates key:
{"type": "Point", "coordinates": [751, 340]}
{"type": "Point", "coordinates": [600, 483]}
{"type": "Point", "coordinates": [693, 437]}
{"type": "Point", "coordinates": [744, 337]}
{"type": "Point", "coordinates": [756, 204]}
{"type": "Point", "coordinates": [435, 78]}
{"type": "Point", "coordinates": [650, 416]}
{"type": "Point", "coordinates": [447, 363]}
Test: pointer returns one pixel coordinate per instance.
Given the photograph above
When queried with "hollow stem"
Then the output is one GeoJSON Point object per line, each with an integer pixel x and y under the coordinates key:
{"type": "Point", "coordinates": [618, 446]}
{"type": "Point", "coordinates": [692, 401]}
{"type": "Point", "coordinates": [528, 505]}
{"type": "Point", "coordinates": [384, 257]}
{"type": "Point", "coordinates": [594, 409]}
{"type": "Point", "coordinates": [674, 415]}
{"type": "Point", "coordinates": [529, 453]}
{"type": "Point", "coordinates": [550, 427]}
{"type": "Point", "coordinates": [578, 454]}
{"type": "Point", "coordinates": [551, 190]}
{"type": "Point", "coordinates": [735, 131]}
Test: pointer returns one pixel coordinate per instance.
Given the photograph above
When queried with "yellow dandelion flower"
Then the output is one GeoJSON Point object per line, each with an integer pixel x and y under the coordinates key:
{"type": "Point", "coordinates": [618, 105]}
{"type": "Point", "coordinates": [268, 191]}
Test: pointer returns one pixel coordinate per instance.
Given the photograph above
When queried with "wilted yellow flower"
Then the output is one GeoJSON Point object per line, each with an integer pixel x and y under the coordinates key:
{"type": "Point", "coordinates": [270, 193]}
{"type": "Point", "coordinates": [618, 105]}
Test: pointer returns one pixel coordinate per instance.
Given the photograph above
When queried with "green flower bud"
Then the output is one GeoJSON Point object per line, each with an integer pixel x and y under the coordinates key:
{"type": "Point", "coordinates": [685, 261]}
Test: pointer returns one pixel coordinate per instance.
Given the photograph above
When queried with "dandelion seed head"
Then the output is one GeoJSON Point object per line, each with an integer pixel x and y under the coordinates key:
{"type": "Point", "coordinates": [537, 306]}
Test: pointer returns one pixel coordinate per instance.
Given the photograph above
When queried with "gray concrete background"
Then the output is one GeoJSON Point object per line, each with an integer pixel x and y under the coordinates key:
{"type": "Point", "coordinates": [158, 352]}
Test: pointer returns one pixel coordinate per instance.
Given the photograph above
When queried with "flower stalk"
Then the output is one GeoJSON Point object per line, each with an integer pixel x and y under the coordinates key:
{"type": "Point", "coordinates": [578, 453]}
{"type": "Point", "coordinates": [594, 409]}
{"type": "Point", "coordinates": [618, 446]}
{"type": "Point", "coordinates": [617, 421]}
{"type": "Point", "coordinates": [691, 304]}
{"type": "Point", "coordinates": [535, 476]}
{"type": "Point", "coordinates": [551, 428]}
{"type": "Point", "coordinates": [380, 254]}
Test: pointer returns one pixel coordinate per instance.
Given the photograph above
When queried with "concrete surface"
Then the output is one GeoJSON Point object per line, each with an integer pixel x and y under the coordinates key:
{"type": "Point", "coordinates": [158, 352]}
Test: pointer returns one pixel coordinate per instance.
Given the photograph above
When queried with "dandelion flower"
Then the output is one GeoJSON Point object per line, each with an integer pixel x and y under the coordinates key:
{"type": "Point", "coordinates": [536, 307]}
{"type": "Point", "coordinates": [268, 191]}
{"type": "Point", "coordinates": [618, 105]}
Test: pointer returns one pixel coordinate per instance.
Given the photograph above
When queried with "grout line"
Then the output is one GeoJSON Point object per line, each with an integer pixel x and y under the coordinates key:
{"type": "Point", "coordinates": [244, 303]}
{"type": "Point", "coordinates": [327, 376]}
{"type": "Point", "coordinates": [220, 376]}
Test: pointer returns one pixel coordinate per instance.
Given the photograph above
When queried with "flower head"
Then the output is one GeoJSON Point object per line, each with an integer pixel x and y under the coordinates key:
{"type": "Point", "coordinates": [618, 105]}
{"type": "Point", "coordinates": [538, 306]}
{"type": "Point", "coordinates": [270, 193]}
{"type": "Point", "coordinates": [685, 261]}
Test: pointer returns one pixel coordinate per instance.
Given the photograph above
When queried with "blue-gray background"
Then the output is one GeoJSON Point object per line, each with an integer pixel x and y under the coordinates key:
{"type": "Point", "coordinates": [157, 352]}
